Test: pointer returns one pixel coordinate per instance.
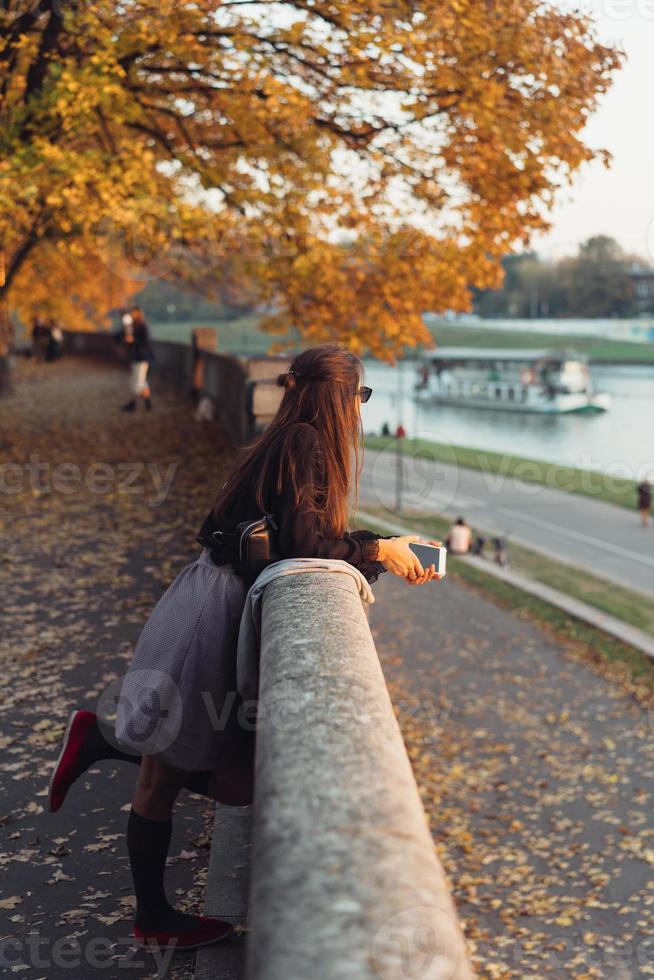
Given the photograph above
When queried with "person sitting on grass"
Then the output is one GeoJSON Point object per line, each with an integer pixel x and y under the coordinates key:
{"type": "Point", "coordinates": [459, 537]}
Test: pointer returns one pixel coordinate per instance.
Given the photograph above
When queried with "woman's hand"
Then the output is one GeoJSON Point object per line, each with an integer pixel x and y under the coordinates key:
{"type": "Point", "coordinates": [396, 555]}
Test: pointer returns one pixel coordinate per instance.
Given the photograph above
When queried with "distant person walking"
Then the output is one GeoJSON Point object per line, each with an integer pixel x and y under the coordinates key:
{"type": "Point", "coordinates": [645, 501]}
{"type": "Point", "coordinates": [134, 336]}
{"type": "Point", "coordinates": [54, 342]}
{"type": "Point", "coordinates": [40, 338]}
{"type": "Point", "coordinates": [459, 537]}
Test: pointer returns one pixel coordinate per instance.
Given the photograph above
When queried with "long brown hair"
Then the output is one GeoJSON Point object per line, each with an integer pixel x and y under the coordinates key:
{"type": "Point", "coordinates": [320, 388]}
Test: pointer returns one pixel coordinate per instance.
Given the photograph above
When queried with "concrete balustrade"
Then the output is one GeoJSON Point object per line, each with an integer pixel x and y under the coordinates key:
{"type": "Point", "coordinates": [345, 881]}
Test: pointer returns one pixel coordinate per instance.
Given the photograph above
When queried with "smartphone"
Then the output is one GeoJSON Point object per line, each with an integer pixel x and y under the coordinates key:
{"type": "Point", "coordinates": [429, 554]}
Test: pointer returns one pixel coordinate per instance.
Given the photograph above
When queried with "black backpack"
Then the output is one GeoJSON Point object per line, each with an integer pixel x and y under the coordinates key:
{"type": "Point", "coordinates": [253, 545]}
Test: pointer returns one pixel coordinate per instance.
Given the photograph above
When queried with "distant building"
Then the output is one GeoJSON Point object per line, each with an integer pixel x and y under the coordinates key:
{"type": "Point", "coordinates": [642, 280]}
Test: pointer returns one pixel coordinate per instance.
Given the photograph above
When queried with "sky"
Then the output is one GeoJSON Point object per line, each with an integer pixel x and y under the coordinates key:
{"type": "Point", "coordinates": [619, 201]}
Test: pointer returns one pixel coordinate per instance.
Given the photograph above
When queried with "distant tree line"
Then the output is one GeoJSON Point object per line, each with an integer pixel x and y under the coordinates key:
{"type": "Point", "coordinates": [600, 281]}
{"type": "Point", "coordinates": [165, 301]}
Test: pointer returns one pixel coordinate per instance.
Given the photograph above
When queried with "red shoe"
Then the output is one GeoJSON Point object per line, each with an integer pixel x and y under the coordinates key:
{"type": "Point", "coordinates": [206, 932]}
{"type": "Point", "coordinates": [65, 769]}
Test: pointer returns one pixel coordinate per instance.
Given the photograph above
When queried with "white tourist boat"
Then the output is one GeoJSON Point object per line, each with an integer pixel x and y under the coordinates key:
{"type": "Point", "coordinates": [545, 381]}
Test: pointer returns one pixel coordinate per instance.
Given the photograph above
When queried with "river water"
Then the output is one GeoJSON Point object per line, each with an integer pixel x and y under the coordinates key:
{"type": "Point", "coordinates": [619, 442]}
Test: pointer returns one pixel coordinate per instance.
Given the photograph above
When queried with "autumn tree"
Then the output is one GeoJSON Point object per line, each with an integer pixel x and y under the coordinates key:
{"type": "Point", "coordinates": [364, 161]}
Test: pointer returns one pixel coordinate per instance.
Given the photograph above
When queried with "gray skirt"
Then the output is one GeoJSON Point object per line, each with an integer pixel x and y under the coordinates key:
{"type": "Point", "coordinates": [178, 700]}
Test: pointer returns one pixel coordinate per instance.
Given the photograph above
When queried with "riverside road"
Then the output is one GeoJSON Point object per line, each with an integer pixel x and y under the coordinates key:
{"type": "Point", "coordinates": [604, 539]}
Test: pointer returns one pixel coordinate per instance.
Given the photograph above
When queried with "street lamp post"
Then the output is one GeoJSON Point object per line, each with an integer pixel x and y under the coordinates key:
{"type": "Point", "coordinates": [398, 438]}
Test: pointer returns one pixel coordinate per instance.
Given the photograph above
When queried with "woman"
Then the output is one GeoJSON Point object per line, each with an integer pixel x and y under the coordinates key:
{"type": "Point", "coordinates": [40, 338]}
{"type": "Point", "coordinates": [298, 469]}
{"type": "Point", "coordinates": [55, 341]}
{"type": "Point", "coordinates": [135, 336]}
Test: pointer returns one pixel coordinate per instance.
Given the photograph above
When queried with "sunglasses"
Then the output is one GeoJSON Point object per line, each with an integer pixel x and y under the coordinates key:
{"type": "Point", "coordinates": [364, 394]}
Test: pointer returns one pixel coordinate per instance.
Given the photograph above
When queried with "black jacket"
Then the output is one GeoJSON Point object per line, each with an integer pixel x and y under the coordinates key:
{"type": "Point", "coordinates": [140, 348]}
{"type": "Point", "coordinates": [298, 535]}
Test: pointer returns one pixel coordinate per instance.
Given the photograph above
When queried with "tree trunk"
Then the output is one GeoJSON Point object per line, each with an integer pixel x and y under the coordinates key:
{"type": "Point", "coordinates": [5, 333]}
{"type": "Point", "coordinates": [5, 375]}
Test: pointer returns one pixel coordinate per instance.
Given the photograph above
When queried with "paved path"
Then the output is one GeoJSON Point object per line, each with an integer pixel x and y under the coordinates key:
{"type": "Point", "coordinates": [538, 777]}
{"type": "Point", "coordinates": [605, 539]}
{"type": "Point", "coordinates": [80, 569]}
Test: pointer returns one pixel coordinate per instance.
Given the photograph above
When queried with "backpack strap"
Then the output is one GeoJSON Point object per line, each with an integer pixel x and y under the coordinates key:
{"type": "Point", "coordinates": [218, 538]}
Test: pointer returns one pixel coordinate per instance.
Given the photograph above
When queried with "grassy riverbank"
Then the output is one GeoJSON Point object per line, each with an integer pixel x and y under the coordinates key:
{"type": "Point", "coordinates": [596, 348]}
{"type": "Point", "coordinates": [243, 335]}
{"type": "Point", "coordinates": [631, 607]}
{"type": "Point", "coordinates": [239, 336]}
{"type": "Point", "coordinates": [587, 483]}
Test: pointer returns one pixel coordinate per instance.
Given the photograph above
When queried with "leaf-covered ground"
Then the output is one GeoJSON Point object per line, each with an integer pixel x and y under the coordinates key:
{"type": "Point", "coordinates": [537, 774]}
{"type": "Point", "coordinates": [85, 553]}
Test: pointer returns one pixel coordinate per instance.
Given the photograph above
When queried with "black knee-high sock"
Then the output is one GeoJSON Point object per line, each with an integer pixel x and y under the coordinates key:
{"type": "Point", "coordinates": [96, 748]}
{"type": "Point", "coordinates": [148, 842]}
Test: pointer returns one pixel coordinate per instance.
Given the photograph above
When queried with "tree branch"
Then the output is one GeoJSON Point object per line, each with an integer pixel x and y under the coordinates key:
{"type": "Point", "coordinates": [15, 263]}
{"type": "Point", "coordinates": [38, 68]}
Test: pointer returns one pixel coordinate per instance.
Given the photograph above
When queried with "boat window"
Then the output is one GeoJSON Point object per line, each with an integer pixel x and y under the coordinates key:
{"type": "Point", "coordinates": [511, 394]}
{"type": "Point", "coordinates": [498, 392]}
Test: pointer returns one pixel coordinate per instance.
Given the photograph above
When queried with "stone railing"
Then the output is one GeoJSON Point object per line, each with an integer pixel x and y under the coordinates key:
{"type": "Point", "coordinates": [345, 881]}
